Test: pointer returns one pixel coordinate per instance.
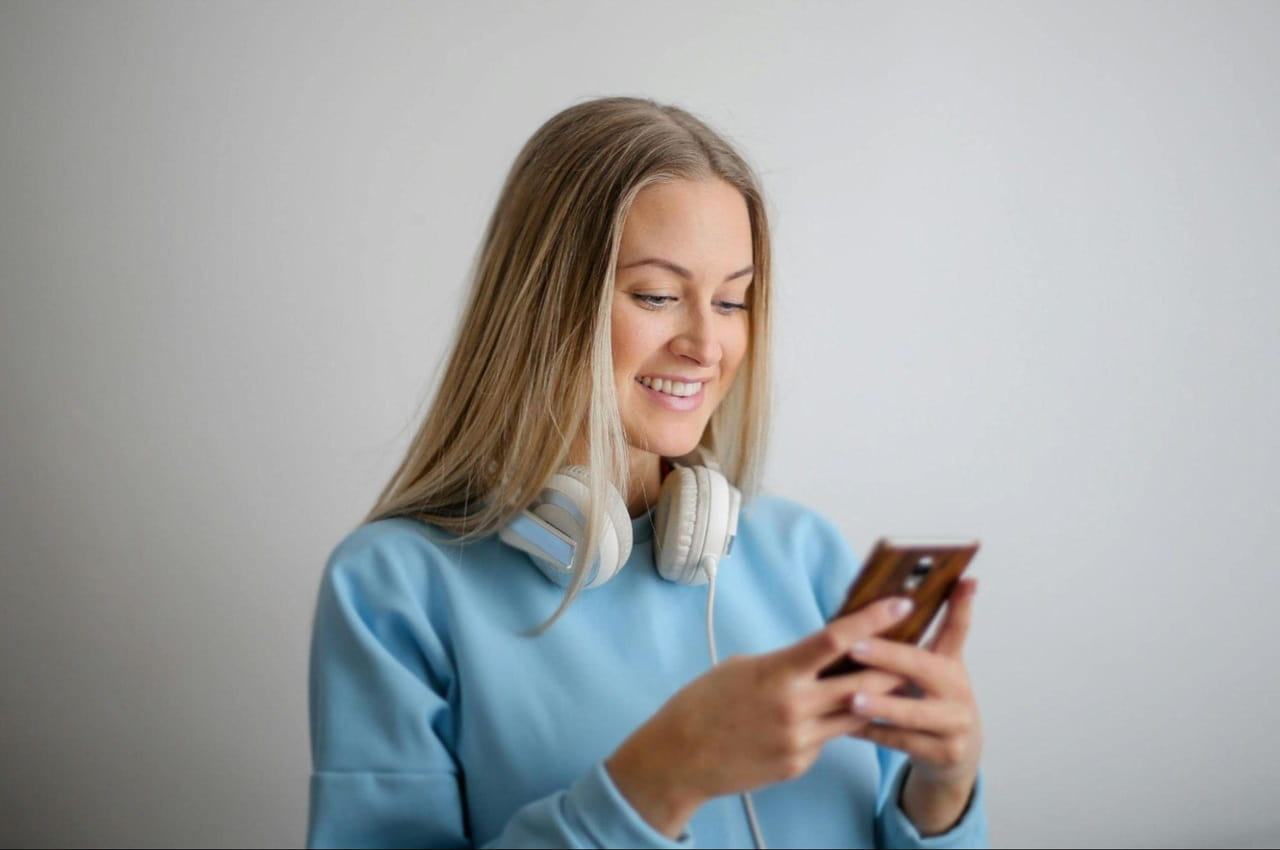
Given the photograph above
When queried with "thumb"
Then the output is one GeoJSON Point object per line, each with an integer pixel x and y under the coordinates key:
{"type": "Point", "coordinates": [955, 624]}
{"type": "Point", "coordinates": [815, 652]}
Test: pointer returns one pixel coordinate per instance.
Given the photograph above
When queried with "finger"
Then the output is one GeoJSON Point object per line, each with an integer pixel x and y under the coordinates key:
{"type": "Point", "coordinates": [955, 625]}
{"type": "Point", "coordinates": [932, 716]}
{"type": "Point", "coordinates": [935, 673]}
{"type": "Point", "coordinates": [833, 694]}
{"type": "Point", "coordinates": [919, 745]}
{"type": "Point", "coordinates": [839, 725]}
{"type": "Point", "coordinates": [829, 643]}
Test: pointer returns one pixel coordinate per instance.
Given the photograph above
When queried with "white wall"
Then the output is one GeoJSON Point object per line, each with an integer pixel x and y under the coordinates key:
{"type": "Point", "coordinates": [1029, 286]}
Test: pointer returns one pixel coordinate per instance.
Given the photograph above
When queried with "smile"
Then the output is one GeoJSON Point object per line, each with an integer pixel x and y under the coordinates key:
{"type": "Point", "coordinates": [675, 388]}
{"type": "Point", "coordinates": [673, 395]}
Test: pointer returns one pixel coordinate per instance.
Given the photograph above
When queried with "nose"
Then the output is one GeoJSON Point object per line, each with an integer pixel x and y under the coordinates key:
{"type": "Point", "coordinates": [697, 340]}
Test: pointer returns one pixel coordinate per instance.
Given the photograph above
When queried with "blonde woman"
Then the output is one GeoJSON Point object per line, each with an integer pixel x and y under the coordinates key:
{"type": "Point", "coordinates": [516, 648]}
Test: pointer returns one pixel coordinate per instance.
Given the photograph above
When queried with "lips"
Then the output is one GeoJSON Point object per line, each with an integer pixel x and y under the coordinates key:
{"type": "Point", "coordinates": [681, 404]}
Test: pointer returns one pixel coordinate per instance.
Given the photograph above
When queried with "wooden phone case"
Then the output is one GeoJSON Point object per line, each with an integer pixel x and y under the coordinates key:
{"type": "Point", "coordinates": [899, 567]}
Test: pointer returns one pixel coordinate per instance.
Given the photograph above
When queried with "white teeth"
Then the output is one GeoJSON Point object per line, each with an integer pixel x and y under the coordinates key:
{"type": "Point", "coordinates": [676, 388]}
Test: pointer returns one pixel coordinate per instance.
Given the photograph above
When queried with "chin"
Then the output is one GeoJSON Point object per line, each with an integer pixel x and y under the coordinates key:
{"type": "Point", "coordinates": [670, 445]}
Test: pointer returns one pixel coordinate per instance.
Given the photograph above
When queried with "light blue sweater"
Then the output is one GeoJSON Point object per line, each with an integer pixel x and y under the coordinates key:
{"type": "Point", "coordinates": [434, 723]}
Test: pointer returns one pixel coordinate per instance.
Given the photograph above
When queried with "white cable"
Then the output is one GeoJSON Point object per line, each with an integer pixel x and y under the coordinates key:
{"type": "Point", "coordinates": [709, 564]}
{"type": "Point", "coordinates": [751, 818]}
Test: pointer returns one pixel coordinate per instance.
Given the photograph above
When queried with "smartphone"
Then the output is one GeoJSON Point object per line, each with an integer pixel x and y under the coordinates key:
{"type": "Point", "coordinates": [924, 570]}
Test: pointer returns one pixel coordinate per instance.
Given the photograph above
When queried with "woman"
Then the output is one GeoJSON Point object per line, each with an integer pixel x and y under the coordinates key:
{"type": "Point", "coordinates": [603, 412]}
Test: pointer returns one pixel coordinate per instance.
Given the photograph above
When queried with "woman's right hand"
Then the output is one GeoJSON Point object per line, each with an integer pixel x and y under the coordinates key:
{"type": "Point", "coordinates": [750, 721]}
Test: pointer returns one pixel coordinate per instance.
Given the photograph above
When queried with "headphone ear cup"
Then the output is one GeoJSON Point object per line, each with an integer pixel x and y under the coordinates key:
{"type": "Point", "coordinates": [719, 519]}
{"type": "Point", "coordinates": [615, 543]}
{"type": "Point", "coordinates": [698, 516]}
{"type": "Point", "coordinates": [675, 523]}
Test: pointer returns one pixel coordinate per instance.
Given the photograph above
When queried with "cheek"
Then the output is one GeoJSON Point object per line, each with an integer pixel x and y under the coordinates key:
{"type": "Point", "coordinates": [735, 350]}
{"type": "Point", "coordinates": [627, 356]}
{"type": "Point", "coordinates": [634, 342]}
{"type": "Point", "coordinates": [622, 345]}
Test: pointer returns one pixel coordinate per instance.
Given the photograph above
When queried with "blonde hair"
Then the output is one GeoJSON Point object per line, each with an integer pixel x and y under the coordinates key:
{"type": "Point", "coordinates": [532, 360]}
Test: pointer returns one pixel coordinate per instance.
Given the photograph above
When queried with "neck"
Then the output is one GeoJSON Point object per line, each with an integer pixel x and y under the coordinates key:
{"type": "Point", "coordinates": [645, 470]}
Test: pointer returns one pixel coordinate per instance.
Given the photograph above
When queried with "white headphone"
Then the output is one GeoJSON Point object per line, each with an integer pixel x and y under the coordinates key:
{"type": "Point", "coordinates": [694, 524]}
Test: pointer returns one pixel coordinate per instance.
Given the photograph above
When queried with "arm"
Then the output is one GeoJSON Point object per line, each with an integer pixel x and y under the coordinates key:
{"type": "Point", "coordinates": [383, 727]}
{"type": "Point", "coordinates": [384, 772]}
{"type": "Point", "coordinates": [894, 828]}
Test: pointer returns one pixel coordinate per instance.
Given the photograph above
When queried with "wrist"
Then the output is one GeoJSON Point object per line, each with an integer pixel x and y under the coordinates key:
{"type": "Point", "coordinates": [648, 779]}
{"type": "Point", "coordinates": [936, 805]}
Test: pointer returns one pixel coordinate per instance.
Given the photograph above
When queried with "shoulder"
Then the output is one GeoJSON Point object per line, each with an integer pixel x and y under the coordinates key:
{"type": "Point", "coordinates": [786, 521]}
{"type": "Point", "coordinates": [389, 555]}
{"type": "Point", "coordinates": [398, 538]}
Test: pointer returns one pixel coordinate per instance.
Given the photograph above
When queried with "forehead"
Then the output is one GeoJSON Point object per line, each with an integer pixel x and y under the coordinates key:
{"type": "Point", "coordinates": [689, 222]}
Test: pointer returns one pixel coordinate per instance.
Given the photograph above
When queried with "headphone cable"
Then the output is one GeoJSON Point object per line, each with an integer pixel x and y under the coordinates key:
{"type": "Point", "coordinates": [709, 565]}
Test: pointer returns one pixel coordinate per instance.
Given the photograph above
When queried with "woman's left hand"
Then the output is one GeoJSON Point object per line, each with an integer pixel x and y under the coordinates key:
{"type": "Point", "coordinates": [940, 731]}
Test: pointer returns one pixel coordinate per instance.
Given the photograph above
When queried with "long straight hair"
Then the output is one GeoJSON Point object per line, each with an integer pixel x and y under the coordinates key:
{"type": "Point", "coordinates": [532, 362]}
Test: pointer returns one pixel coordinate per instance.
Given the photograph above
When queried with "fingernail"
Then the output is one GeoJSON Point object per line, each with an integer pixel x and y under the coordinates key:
{"type": "Point", "coordinates": [862, 647]}
{"type": "Point", "coordinates": [859, 701]}
{"type": "Point", "coordinates": [901, 607]}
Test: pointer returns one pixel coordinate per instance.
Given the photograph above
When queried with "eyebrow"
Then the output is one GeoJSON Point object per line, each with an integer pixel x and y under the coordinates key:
{"type": "Point", "coordinates": [681, 270]}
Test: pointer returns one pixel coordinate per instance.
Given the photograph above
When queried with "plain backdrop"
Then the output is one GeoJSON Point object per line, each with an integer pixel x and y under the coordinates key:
{"type": "Point", "coordinates": [1028, 288]}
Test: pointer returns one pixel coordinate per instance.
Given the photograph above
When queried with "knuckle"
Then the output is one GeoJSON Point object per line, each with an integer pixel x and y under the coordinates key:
{"type": "Point", "coordinates": [787, 713]}
{"type": "Point", "coordinates": [795, 742]}
{"type": "Point", "coordinates": [776, 712]}
{"type": "Point", "coordinates": [827, 642]}
{"type": "Point", "coordinates": [794, 765]}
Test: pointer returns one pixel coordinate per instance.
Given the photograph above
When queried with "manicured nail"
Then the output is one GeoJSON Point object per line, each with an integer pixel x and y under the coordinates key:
{"type": "Point", "coordinates": [860, 648]}
{"type": "Point", "coordinates": [901, 607]}
{"type": "Point", "coordinates": [859, 701]}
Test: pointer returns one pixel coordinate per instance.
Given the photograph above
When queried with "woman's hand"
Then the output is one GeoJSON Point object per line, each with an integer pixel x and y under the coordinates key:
{"type": "Point", "coordinates": [940, 731]}
{"type": "Point", "coordinates": [750, 721]}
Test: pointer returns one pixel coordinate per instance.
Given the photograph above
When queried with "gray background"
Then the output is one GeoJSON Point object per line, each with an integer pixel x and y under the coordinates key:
{"type": "Point", "coordinates": [1027, 272]}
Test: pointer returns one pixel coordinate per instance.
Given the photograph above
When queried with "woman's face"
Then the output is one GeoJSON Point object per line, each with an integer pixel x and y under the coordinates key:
{"type": "Point", "coordinates": [679, 310]}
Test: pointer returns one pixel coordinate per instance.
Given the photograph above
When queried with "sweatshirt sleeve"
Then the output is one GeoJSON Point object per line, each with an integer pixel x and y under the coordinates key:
{"type": "Point", "coordinates": [895, 829]}
{"type": "Point", "coordinates": [836, 568]}
{"type": "Point", "coordinates": [382, 686]}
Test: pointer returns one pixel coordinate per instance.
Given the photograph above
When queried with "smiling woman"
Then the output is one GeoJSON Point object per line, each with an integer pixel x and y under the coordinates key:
{"type": "Point", "coordinates": [612, 196]}
{"type": "Point", "coordinates": [601, 423]}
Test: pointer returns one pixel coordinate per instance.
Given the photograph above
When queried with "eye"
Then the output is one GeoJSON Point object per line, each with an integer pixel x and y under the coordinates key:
{"type": "Point", "coordinates": [653, 302]}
